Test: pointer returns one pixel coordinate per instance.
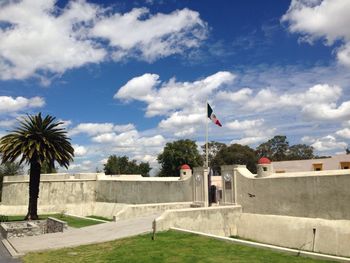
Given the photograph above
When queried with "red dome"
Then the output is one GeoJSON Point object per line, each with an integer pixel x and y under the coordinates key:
{"type": "Point", "coordinates": [264, 160]}
{"type": "Point", "coordinates": [185, 167]}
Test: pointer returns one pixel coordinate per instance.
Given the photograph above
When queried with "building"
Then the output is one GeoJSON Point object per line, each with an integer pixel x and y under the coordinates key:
{"type": "Point", "coordinates": [336, 162]}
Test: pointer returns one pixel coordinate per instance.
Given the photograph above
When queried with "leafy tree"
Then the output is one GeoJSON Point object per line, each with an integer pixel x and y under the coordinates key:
{"type": "Point", "coordinates": [275, 149]}
{"type": "Point", "coordinates": [35, 141]}
{"type": "Point", "coordinates": [48, 168]}
{"type": "Point", "coordinates": [177, 153]}
{"type": "Point", "coordinates": [278, 149]}
{"type": "Point", "coordinates": [213, 149]}
{"type": "Point", "coordinates": [8, 169]}
{"type": "Point", "coordinates": [122, 165]}
{"type": "Point", "coordinates": [300, 152]}
{"type": "Point", "coordinates": [236, 154]}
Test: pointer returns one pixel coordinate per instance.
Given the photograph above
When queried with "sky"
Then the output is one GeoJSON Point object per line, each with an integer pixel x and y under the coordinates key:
{"type": "Point", "coordinates": [126, 77]}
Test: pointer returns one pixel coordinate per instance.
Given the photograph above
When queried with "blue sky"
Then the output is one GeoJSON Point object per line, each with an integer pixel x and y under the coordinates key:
{"type": "Point", "coordinates": [128, 76]}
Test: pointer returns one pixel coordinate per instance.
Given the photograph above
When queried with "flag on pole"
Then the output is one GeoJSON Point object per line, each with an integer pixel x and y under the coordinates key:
{"type": "Point", "coordinates": [212, 116]}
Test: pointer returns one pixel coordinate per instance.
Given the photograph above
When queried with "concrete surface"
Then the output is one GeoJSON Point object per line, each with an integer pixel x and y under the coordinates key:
{"type": "Point", "coordinates": [294, 252]}
{"type": "Point", "coordinates": [323, 194]}
{"type": "Point", "coordinates": [212, 220]}
{"type": "Point", "coordinates": [83, 236]}
{"type": "Point", "coordinates": [5, 257]}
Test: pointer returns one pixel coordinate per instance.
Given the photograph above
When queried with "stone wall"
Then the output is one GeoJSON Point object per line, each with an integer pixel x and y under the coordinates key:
{"type": "Point", "coordinates": [311, 194]}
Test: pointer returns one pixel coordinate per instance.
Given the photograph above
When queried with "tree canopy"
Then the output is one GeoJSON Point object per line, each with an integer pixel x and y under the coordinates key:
{"type": "Point", "coordinates": [278, 149]}
{"type": "Point", "coordinates": [122, 165]}
{"type": "Point", "coordinates": [177, 153]}
{"type": "Point", "coordinates": [235, 154]}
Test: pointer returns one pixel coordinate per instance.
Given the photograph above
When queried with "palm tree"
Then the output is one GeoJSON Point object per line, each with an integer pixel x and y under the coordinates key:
{"type": "Point", "coordinates": [37, 141]}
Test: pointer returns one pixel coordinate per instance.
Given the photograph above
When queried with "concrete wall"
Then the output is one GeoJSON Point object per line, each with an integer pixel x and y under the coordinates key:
{"type": "Point", "coordinates": [311, 234]}
{"type": "Point", "coordinates": [330, 236]}
{"type": "Point", "coordinates": [51, 192]}
{"type": "Point", "coordinates": [144, 191]}
{"type": "Point", "coordinates": [311, 194]}
{"type": "Point", "coordinates": [213, 220]}
{"type": "Point", "coordinates": [58, 189]}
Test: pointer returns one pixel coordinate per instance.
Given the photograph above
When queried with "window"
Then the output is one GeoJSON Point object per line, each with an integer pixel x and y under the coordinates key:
{"type": "Point", "coordinates": [265, 169]}
{"type": "Point", "coordinates": [344, 165]}
{"type": "Point", "coordinates": [317, 166]}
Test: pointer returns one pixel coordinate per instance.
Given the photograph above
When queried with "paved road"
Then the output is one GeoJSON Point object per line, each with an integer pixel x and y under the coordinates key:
{"type": "Point", "coordinates": [5, 256]}
{"type": "Point", "coordinates": [87, 235]}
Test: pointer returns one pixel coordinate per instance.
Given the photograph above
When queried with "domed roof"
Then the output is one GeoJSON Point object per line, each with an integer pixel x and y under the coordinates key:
{"type": "Point", "coordinates": [264, 160]}
{"type": "Point", "coordinates": [185, 167]}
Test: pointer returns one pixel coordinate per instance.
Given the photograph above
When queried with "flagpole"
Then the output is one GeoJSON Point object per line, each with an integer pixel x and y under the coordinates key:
{"type": "Point", "coordinates": [206, 138]}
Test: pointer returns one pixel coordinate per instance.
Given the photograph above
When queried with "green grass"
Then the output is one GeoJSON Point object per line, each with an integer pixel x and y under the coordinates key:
{"type": "Point", "coordinates": [169, 247]}
{"type": "Point", "coordinates": [101, 218]}
{"type": "Point", "coordinates": [71, 221]}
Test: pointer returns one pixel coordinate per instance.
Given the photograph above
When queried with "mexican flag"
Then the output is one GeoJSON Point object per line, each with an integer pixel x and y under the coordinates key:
{"type": "Point", "coordinates": [212, 116]}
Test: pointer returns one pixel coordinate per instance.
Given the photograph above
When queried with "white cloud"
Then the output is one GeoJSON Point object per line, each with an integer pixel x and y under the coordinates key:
{"type": "Point", "coordinates": [345, 133]}
{"type": "Point", "coordinates": [250, 140]}
{"type": "Point", "coordinates": [149, 37]}
{"type": "Point", "coordinates": [43, 38]}
{"type": "Point", "coordinates": [172, 95]}
{"type": "Point", "coordinates": [327, 19]}
{"type": "Point", "coordinates": [238, 96]}
{"type": "Point", "coordinates": [245, 125]}
{"type": "Point", "coordinates": [10, 104]}
{"type": "Point", "coordinates": [328, 143]}
{"type": "Point", "coordinates": [93, 129]}
{"type": "Point", "coordinates": [38, 38]}
{"type": "Point", "coordinates": [129, 139]}
{"type": "Point", "coordinates": [7, 123]}
{"type": "Point", "coordinates": [316, 103]}
{"type": "Point", "coordinates": [79, 150]}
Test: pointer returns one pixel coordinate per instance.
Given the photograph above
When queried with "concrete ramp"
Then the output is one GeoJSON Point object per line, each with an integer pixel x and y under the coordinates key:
{"type": "Point", "coordinates": [83, 236]}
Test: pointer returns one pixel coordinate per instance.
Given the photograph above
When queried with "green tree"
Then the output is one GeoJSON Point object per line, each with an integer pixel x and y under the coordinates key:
{"type": "Point", "coordinates": [122, 165]}
{"type": "Point", "coordinates": [9, 169]}
{"type": "Point", "coordinates": [276, 149]}
{"type": "Point", "coordinates": [35, 141]}
{"type": "Point", "coordinates": [177, 153]}
{"type": "Point", "coordinates": [48, 168]}
{"type": "Point", "coordinates": [213, 149]}
{"type": "Point", "coordinates": [300, 152]}
{"type": "Point", "coordinates": [236, 154]}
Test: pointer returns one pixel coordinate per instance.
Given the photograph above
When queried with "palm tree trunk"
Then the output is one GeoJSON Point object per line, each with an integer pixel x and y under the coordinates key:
{"type": "Point", "coordinates": [34, 181]}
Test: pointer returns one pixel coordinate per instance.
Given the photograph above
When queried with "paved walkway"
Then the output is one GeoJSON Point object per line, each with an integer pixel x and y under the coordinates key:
{"type": "Point", "coordinates": [5, 257]}
{"type": "Point", "coordinates": [87, 235]}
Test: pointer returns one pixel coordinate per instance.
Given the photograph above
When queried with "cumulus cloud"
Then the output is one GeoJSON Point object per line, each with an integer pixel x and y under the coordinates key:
{"type": "Point", "coordinates": [39, 38]}
{"type": "Point", "coordinates": [328, 143]}
{"type": "Point", "coordinates": [172, 95]}
{"type": "Point", "coordinates": [10, 104]}
{"type": "Point", "coordinates": [79, 150]}
{"type": "Point", "coordinates": [250, 140]}
{"type": "Point", "coordinates": [129, 139]}
{"type": "Point", "coordinates": [322, 19]}
{"type": "Point", "coordinates": [138, 33]}
{"type": "Point", "coordinates": [92, 129]}
{"type": "Point", "coordinates": [245, 125]}
{"type": "Point", "coordinates": [345, 133]}
{"type": "Point", "coordinates": [319, 102]}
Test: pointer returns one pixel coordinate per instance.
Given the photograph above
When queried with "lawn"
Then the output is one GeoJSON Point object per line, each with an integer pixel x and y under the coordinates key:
{"type": "Point", "coordinates": [71, 221]}
{"type": "Point", "coordinates": [168, 247]}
